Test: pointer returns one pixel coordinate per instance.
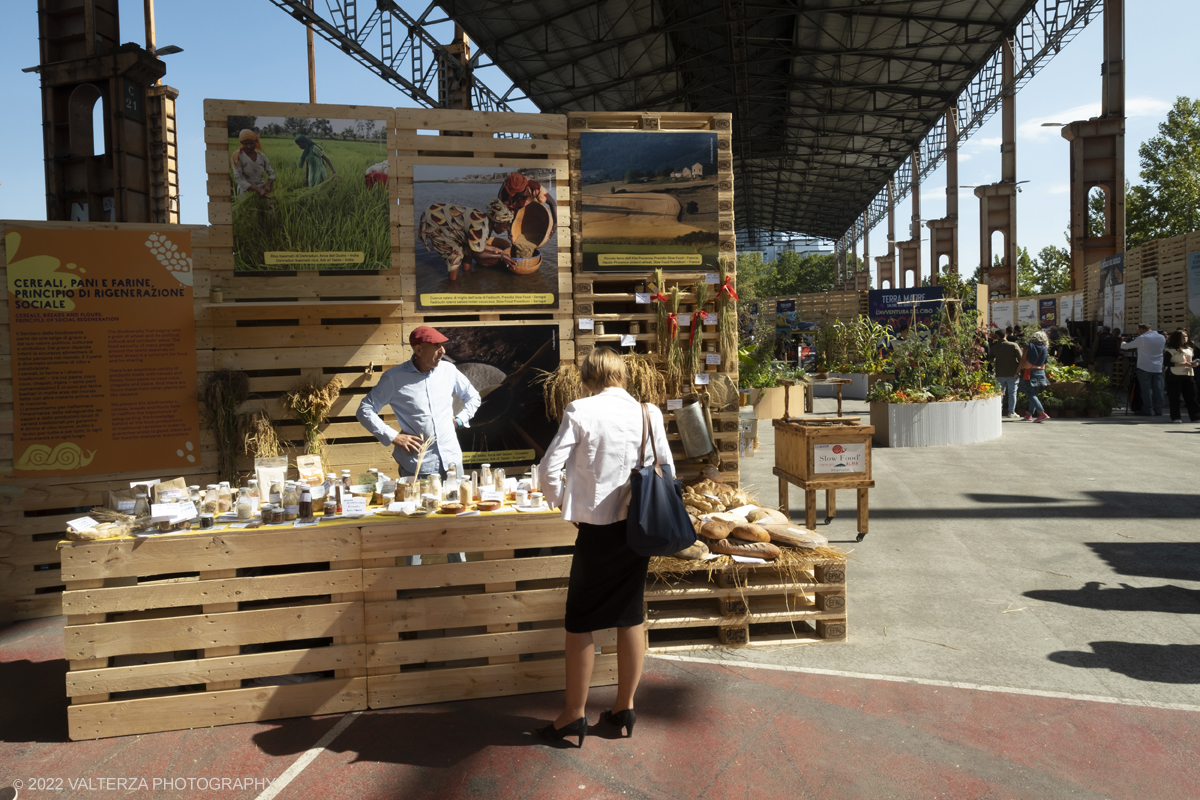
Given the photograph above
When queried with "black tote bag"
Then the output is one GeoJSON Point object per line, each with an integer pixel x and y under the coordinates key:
{"type": "Point", "coordinates": [658, 523]}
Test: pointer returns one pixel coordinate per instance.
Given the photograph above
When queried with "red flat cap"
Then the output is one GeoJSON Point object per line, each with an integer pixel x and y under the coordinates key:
{"type": "Point", "coordinates": [426, 335]}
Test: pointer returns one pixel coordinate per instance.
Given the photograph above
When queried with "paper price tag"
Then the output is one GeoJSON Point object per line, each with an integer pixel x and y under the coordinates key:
{"type": "Point", "coordinates": [586, 324]}
{"type": "Point", "coordinates": [711, 319]}
{"type": "Point", "coordinates": [712, 277]}
{"type": "Point", "coordinates": [490, 495]}
{"type": "Point", "coordinates": [628, 340]}
{"type": "Point", "coordinates": [712, 358]}
{"type": "Point", "coordinates": [126, 505]}
{"type": "Point", "coordinates": [674, 403]}
{"type": "Point", "coordinates": [641, 298]}
{"type": "Point", "coordinates": [83, 523]}
{"type": "Point", "coordinates": [684, 320]}
{"type": "Point", "coordinates": [354, 506]}
{"type": "Point", "coordinates": [702, 379]}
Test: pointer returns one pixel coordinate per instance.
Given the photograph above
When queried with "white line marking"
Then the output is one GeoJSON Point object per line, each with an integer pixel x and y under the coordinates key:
{"type": "Point", "coordinates": [289, 774]}
{"type": "Point", "coordinates": [932, 682]}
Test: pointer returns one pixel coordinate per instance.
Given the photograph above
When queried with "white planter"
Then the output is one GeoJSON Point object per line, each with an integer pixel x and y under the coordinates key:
{"type": "Point", "coordinates": [855, 390]}
{"type": "Point", "coordinates": [936, 424]}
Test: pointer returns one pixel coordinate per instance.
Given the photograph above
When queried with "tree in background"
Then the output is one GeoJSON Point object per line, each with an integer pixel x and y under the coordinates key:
{"type": "Point", "coordinates": [238, 123]}
{"type": "Point", "coordinates": [1167, 203]}
{"type": "Point", "coordinates": [1048, 273]}
{"type": "Point", "coordinates": [793, 274]}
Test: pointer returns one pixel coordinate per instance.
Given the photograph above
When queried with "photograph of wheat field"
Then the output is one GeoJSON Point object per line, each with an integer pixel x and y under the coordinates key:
{"type": "Point", "coordinates": [309, 193]}
{"type": "Point", "coordinates": [649, 200]}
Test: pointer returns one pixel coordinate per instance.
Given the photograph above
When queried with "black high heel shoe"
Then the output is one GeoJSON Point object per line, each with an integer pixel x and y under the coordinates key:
{"type": "Point", "coordinates": [552, 734]}
{"type": "Point", "coordinates": [622, 720]}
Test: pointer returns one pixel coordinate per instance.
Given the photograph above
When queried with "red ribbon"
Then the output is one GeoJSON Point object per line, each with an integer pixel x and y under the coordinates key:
{"type": "Point", "coordinates": [727, 289]}
{"type": "Point", "coordinates": [674, 320]}
{"type": "Point", "coordinates": [696, 323]}
{"type": "Point", "coordinates": [660, 297]}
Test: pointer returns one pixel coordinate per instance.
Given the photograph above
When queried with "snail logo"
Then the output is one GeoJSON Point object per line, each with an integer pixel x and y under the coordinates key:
{"type": "Point", "coordinates": [65, 456]}
{"type": "Point", "coordinates": [837, 448]}
{"type": "Point", "coordinates": [177, 263]}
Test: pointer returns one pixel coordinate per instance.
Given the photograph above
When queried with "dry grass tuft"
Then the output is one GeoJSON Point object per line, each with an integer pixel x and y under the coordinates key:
{"type": "Point", "coordinates": [311, 404]}
{"type": "Point", "coordinates": [220, 394]}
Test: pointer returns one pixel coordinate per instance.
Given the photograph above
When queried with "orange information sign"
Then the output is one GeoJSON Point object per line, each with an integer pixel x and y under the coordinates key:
{"type": "Point", "coordinates": [103, 351]}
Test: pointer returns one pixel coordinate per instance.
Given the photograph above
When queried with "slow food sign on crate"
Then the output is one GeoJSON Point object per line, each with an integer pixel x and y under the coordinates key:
{"type": "Point", "coordinates": [840, 457]}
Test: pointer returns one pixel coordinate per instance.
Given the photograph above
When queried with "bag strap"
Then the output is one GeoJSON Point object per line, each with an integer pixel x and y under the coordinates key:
{"type": "Point", "coordinates": [646, 433]}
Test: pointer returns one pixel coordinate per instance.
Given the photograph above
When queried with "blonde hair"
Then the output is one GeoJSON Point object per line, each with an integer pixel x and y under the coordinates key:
{"type": "Point", "coordinates": [1040, 337]}
{"type": "Point", "coordinates": [603, 368]}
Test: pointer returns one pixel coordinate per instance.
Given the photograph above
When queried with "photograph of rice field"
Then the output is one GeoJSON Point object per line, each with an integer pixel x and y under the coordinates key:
{"type": "Point", "coordinates": [309, 194]}
{"type": "Point", "coordinates": [485, 237]}
{"type": "Point", "coordinates": [649, 200]}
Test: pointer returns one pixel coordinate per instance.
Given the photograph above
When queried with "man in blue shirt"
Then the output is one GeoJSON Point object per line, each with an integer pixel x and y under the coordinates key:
{"type": "Point", "coordinates": [420, 393]}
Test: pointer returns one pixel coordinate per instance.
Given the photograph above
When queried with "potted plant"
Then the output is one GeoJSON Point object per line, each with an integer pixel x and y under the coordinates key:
{"type": "Point", "coordinates": [1070, 407]}
{"type": "Point", "coordinates": [1052, 404]}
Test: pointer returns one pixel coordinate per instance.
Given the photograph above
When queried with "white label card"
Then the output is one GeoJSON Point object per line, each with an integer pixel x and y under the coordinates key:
{"type": "Point", "coordinates": [83, 523]}
{"type": "Point", "coordinates": [126, 505]}
{"type": "Point", "coordinates": [301, 523]}
{"type": "Point", "coordinates": [490, 496]}
{"type": "Point", "coordinates": [712, 277]}
{"type": "Point", "coordinates": [849, 457]}
{"type": "Point", "coordinates": [684, 320]}
{"type": "Point", "coordinates": [712, 358]}
{"type": "Point", "coordinates": [354, 506]}
{"type": "Point", "coordinates": [176, 512]}
{"type": "Point", "coordinates": [628, 340]}
{"type": "Point", "coordinates": [711, 319]}
{"type": "Point", "coordinates": [586, 324]}
{"type": "Point", "coordinates": [674, 403]}
{"type": "Point", "coordinates": [641, 298]}
{"type": "Point", "coordinates": [702, 379]}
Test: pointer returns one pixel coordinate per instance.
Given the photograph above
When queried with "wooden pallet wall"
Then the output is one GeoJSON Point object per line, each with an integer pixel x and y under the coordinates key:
{"type": "Point", "coordinates": [824, 307]}
{"type": "Point", "coordinates": [34, 511]}
{"type": "Point", "coordinates": [609, 297]}
{"type": "Point", "coordinates": [1164, 259]}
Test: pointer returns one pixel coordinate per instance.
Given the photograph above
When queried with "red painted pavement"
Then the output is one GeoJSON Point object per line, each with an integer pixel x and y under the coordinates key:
{"type": "Point", "coordinates": [704, 730]}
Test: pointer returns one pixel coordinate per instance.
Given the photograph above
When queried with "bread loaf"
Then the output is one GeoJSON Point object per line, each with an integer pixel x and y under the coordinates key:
{"type": "Point", "coordinates": [764, 515]}
{"type": "Point", "coordinates": [737, 547]}
{"type": "Point", "coordinates": [717, 528]}
{"type": "Point", "coordinates": [795, 536]}
{"type": "Point", "coordinates": [697, 523]}
{"type": "Point", "coordinates": [696, 552]}
{"type": "Point", "coordinates": [751, 533]}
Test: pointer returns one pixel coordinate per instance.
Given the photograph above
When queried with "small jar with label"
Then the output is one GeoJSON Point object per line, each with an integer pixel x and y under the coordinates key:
{"type": "Point", "coordinates": [464, 493]}
{"type": "Point", "coordinates": [435, 485]}
{"type": "Point", "coordinates": [210, 500]}
{"type": "Point", "coordinates": [485, 475]}
{"type": "Point", "coordinates": [278, 515]}
{"type": "Point", "coordinates": [346, 479]}
{"type": "Point", "coordinates": [498, 479]}
{"type": "Point", "coordinates": [430, 502]}
{"type": "Point", "coordinates": [598, 328]}
{"type": "Point", "coordinates": [291, 502]}
{"type": "Point", "coordinates": [224, 498]}
{"type": "Point", "coordinates": [207, 520]}
{"type": "Point", "coordinates": [306, 507]}
{"type": "Point", "coordinates": [245, 510]}
{"type": "Point", "coordinates": [635, 328]}
{"type": "Point", "coordinates": [194, 495]}
{"type": "Point", "coordinates": [252, 490]}
{"type": "Point", "coordinates": [330, 508]}
{"type": "Point", "coordinates": [265, 510]}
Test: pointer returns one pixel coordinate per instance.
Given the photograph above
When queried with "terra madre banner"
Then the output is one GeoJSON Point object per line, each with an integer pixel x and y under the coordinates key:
{"type": "Point", "coordinates": [895, 307]}
{"type": "Point", "coordinates": [103, 351]}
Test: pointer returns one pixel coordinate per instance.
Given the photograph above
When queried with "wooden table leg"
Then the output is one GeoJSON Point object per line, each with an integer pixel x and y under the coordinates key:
{"type": "Point", "coordinates": [783, 495]}
{"type": "Point", "coordinates": [830, 504]}
{"type": "Point", "coordinates": [810, 508]}
{"type": "Point", "coordinates": [862, 513]}
{"type": "Point", "coordinates": [839, 394]}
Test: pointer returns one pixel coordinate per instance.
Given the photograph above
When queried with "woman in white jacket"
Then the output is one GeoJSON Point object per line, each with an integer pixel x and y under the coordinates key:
{"type": "Point", "coordinates": [598, 444]}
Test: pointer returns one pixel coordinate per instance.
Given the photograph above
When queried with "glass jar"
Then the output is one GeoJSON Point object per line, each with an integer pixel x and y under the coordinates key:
{"type": "Point", "coordinates": [430, 502]}
{"type": "Point", "coordinates": [265, 510]}
{"type": "Point", "coordinates": [435, 485]}
{"type": "Point", "coordinates": [485, 475]}
{"type": "Point", "coordinates": [464, 493]}
{"type": "Point", "coordinates": [194, 495]}
{"type": "Point", "coordinates": [499, 474]}
{"type": "Point", "coordinates": [306, 507]}
{"type": "Point", "coordinates": [245, 509]}
{"type": "Point", "coordinates": [452, 474]}
{"type": "Point", "coordinates": [224, 498]}
{"type": "Point", "coordinates": [330, 507]}
{"type": "Point", "coordinates": [207, 521]}
{"type": "Point", "coordinates": [278, 515]}
{"type": "Point", "coordinates": [346, 479]}
{"type": "Point", "coordinates": [141, 510]}
{"type": "Point", "coordinates": [210, 500]}
{"type": "Point", "coordinates": [255, 499]}
{"type": "Point", "coordinates": [291, 502]}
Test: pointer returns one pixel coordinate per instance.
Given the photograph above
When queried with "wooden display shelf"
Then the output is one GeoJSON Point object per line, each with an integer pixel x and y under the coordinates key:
{"type": "Point", "coordinates": [747, 604]}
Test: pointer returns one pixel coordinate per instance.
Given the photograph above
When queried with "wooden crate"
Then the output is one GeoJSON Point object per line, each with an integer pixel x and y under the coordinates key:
{"type": "Point", "coordinates": [189, 631]}
{"type": "Point", "coordinates": [451, 631]}
{"type": "Point", "coordinates": [747, 604]}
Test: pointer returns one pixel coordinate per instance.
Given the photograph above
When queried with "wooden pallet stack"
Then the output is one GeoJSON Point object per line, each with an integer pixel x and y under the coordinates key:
{"type": "Point", "coordinates": [1172, 282]}
{"type": "Point", "coordinates": [1133, 289]}
{"type": "Point", "coordinates": [759, 605]}
{"type": "Point", "coordinates": [609, 298]}
{"type": "Point", "coordinates": [154, 645]}
{"type": "Point", "coordinates": [824, 307]}
{"type": "Point", "coordinates": [34, 511]}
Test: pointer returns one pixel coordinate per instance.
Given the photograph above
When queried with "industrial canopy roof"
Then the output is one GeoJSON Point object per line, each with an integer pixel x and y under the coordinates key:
{"type": "Point", "coordinates": [828, 97]}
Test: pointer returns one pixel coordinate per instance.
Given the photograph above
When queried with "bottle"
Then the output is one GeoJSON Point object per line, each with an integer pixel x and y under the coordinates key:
{"type": "Point", "coordinates": [224, 498]}
{"type": "Point", "coordinates": [291, 502]}
{"type": "Point", "coordinates": [245, 510]}
{"type": "Point", "coordinates": [346, 479]}
{"type": "Point", "coordinates": [141, 509]}
{"type": "Point", "coordinates": [534, 481]}
{"type": "Point", "coordinates": [255, 499]}
{"type": "Point", "coordinates": [338, 489]}
{"type": "Point", "coordinates": [210, 500]}
{"type": "Point", "coordinates": [194, 495]}
{"type": "Point", "coordinates": [306, 508]}
{"type": "Point", "coordinates": [435, 486]}
{"type": "Point", "coordinates": [330, 507]}
{"type": "Point", "coordinates": [452, 474]}
{"type": "Point", "coordinates": [464, 493]}
{"type": "Point", "coordinates": [276, 494]}
{"type": "Point", "coordinates": [330, 481]}
{"type": "Point", "coordinates": [499, 474]}
{"type": "Point", "coordinates": [486, 475]}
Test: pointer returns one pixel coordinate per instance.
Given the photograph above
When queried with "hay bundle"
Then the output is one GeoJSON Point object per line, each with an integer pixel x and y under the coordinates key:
{"type": "Point", "coordinates": [646, 383]}
{"type": "Point", "coordinates": [674, 360]}
{"type": "Point", "coordinates": [663, 327]}
{"type": "Point", "coordinates": [693, 358]}
{"type": "Point", "coordinates": [259, 437]}
{"type": "Point", "coordinates": [560, 388]}
{"type": "Point", "coordinates": [727, 334]}
{"type": "Point", "coordinates": [311, 405]}
{"type": "Point", "coordinates": [220, 394]}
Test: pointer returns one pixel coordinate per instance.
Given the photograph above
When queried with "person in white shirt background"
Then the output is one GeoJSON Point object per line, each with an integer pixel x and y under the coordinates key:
{"type": "Point", "coordinates": [1149, 345]}
{"type": "Point", "coordinates": [599, 443]}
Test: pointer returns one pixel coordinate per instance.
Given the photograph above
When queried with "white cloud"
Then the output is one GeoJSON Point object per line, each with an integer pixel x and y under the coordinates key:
{"type": "Point", "coordinates": [963, 156]}
{"type": "Point", "coordinates": [1059, 188]}
{"type": "Point", "coordinates": [1134, 107]}
{"type": "Point", "coordinates": [987, 141]}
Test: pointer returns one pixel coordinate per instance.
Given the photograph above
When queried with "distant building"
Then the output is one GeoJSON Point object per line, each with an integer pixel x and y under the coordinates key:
{"type": "Point", "coordinates": [697, 170]}
{"type": "Point", "coordinates": [685, 173]}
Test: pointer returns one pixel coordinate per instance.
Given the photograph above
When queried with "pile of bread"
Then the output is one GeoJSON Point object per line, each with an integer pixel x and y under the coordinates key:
{"type": "Point", "coordinates": [728, 522]}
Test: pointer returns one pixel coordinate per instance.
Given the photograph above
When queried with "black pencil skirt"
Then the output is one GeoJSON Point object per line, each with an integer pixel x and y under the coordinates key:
{"type": "Point", "coordinates": [608, 580]}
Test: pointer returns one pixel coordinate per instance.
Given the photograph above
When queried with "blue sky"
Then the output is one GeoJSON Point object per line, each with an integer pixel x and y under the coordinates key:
{"type": "Point", "coordinates": [249, 49]}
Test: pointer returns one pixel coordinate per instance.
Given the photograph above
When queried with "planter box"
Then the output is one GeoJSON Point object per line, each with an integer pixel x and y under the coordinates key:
{"type": "Point", "coordinates": [936, 424]}
{"type": "Point", "coordinates": [768, 403]}
{"type": "Point", "coordinates": [857, 389]}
